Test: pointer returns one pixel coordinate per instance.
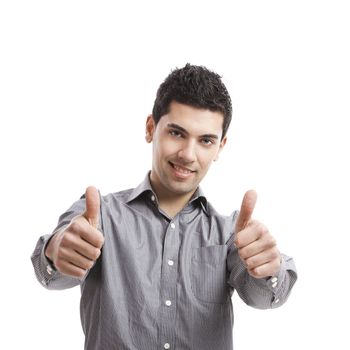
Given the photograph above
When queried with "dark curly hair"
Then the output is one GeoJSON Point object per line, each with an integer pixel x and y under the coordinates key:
{"type": "Point", "coordinates": [195, 86]}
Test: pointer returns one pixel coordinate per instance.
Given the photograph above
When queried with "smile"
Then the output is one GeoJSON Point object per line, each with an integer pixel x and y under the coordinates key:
{"type": "Point", "coordinates": [181, 169]}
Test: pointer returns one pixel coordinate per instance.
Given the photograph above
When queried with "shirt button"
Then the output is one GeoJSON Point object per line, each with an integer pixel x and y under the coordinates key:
{"type": "Point", "coordinates": [276, 301]}
{"type": "Point", "coordinates": [172, 225]}
{"type": "Point", "coordinates": [49, 269]}
{"type": "Point", "coordinates": [166, 346]}
{"type": "Point", "coordinates": [274, 285]}
{"type": "Point", "coordinates": [170, 262]}
{"type": "Point", "coordinates": [168, 302]}
{"type": "Point", "coordinates": [153, 198]}
{"type": "Point", "coordinates": [274, 279]}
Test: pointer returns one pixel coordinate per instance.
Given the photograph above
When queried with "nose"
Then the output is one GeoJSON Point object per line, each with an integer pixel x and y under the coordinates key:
{"type": "Point", "coordinates": [187, 153]}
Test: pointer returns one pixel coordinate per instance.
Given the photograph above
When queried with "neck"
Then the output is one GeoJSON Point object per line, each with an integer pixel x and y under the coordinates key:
{"type": "Point", "coordinates": [170, 202]}
{"type": "Point", "coordinates": [173, 204]}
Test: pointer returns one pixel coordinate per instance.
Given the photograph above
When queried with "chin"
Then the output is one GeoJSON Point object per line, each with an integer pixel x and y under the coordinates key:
{"type": "Point", "coordinates": [183, 188]}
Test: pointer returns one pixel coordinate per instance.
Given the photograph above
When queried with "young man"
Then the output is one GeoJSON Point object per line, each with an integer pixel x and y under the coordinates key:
{"type": "Point", "coordinates": [157, 265]}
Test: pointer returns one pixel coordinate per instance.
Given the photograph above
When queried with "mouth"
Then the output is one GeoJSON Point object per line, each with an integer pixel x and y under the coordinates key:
{"type": "Point", "coordinates": [181, 170]}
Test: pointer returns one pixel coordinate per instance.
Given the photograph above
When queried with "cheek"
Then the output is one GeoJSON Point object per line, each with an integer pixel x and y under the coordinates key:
{"type": "Point", "coordinates": [167, 148]}
{"type": "Point", "coordinates": [206, 157]}
{"type": "Point", "coordinates": [162, 149]}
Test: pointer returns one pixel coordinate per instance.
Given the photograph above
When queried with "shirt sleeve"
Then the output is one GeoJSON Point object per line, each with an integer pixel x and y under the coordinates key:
{"type": "Point", "coordinates": [265, 293]}
{"type": "Point", "coordinates": [44, 270]}
{"type": "Point", "coordinates": [46, 273]}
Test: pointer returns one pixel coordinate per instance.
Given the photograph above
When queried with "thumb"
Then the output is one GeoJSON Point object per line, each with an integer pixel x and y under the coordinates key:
{"type": "Point", "coordinates": [247, 208]}
{"type": "Point", "coordinates": [92, 212]}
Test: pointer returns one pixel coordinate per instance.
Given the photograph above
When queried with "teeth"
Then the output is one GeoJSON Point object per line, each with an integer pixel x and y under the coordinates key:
{"type": "Point", "coordinates": [182, 170]}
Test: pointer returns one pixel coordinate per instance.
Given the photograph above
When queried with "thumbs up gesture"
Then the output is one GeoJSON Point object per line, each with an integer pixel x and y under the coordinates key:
{"type": "Point", "coordinates": [256, 247]}
{"type": "Point", "coordinates": [75, 249]}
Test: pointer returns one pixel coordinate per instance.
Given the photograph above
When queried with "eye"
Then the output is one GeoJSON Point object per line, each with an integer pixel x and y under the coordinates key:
{"type": "Point", "coordinates": [208, 142]}
{"type": "Point", "coordinates": [175, 133]}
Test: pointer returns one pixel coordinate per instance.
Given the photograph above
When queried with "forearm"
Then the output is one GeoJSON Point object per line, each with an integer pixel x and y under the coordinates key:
{"type": "Point", "coordinates": [263, 293]}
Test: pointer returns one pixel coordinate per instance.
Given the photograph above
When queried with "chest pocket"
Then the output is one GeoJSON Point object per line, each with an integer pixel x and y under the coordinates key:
{"type": "Point", "coordinates": [208, 274]}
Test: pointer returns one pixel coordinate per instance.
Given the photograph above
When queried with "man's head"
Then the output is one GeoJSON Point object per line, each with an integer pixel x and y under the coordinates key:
{"type": "Point", "coordinates": [195, 86]}
{"type": "Point", "coordinates": [188, 128]}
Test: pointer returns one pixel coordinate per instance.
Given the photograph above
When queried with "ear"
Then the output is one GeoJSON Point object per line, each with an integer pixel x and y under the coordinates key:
{"type": "Point", "coordinates": [150, 127]}
{"type": "Point", "coordinates": [222, 144]}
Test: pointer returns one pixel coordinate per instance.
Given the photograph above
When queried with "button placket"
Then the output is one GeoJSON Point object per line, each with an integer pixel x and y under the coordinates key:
{"type": "Point", "coordinates": [168, 285]}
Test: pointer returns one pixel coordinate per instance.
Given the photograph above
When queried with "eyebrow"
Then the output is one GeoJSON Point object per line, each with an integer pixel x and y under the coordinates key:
{"type": "Point", "coordinates": [180, 128]}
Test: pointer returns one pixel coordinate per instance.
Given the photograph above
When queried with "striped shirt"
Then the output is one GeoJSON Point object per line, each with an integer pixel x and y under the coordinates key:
{"type": "Point", "coordinates": [162, 282]}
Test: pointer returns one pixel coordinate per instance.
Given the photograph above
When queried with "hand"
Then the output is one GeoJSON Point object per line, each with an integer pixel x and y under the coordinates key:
{"type": "Point", "coordinates": [256, 247]}
{"type": "Point", "coordinates": [75, 249]}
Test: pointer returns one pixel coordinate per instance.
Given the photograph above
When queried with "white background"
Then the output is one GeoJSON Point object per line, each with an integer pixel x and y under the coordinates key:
{"type": "Point", "coordinates": [77, 81]}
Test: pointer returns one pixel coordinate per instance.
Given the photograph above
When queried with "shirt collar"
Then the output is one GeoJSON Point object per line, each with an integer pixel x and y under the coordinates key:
{"type": "Point", "coordinates": [145, 186]}
{"type": "Point", "coordinates": [199, 196]}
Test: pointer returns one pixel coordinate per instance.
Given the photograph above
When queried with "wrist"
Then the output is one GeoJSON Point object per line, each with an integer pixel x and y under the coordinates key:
{"type": "Point", "coordinates": [48, 250]}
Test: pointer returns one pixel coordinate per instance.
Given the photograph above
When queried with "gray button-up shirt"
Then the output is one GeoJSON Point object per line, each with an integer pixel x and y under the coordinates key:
{"type": "Point", "coordinates": [161, 282]}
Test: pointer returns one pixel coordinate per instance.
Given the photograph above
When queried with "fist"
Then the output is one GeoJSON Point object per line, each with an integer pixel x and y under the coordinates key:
{"type": "Point", "coordinates": [256, 246]}
{"type": "Point", "coordinates": [75, 249]}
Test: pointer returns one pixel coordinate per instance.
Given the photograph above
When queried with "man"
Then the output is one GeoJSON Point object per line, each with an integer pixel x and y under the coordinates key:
{"type": "Point", "coordinates": [157, 265]}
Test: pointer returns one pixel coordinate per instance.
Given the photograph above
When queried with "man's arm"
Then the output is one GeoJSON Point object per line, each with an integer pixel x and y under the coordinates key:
{"type": "Point", "coordinates": [45, 271]}
{"type": "Point", "coordinates": [63, 259]}
{"type": "Point", "coordinates": [261, 293]}
{"type": "Point", "coordinates": [262, 275]}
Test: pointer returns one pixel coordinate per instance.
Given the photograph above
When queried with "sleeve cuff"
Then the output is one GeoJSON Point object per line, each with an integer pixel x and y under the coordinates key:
{"type": "Point", "coordinates": [47, 267]}
{"type": "Point", "coordinates": [273, 285]}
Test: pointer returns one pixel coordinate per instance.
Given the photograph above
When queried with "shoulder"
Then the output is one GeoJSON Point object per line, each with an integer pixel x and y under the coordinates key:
{"type": "Point", "coordinates": [122, 196]}
{"type": "Point", "coordinates": [116, 198]}
{"type": "Point", "coordinates": [225, 223]}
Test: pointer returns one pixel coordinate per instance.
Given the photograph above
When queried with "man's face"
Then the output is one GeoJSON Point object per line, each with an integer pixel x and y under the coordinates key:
{"type": "Point", "coordinates": [185, 142]}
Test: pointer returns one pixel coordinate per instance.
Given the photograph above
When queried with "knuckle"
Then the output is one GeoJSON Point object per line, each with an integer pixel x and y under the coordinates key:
{"type": "Point", "coordinates": [100, 240]}
{"type": "Point", "coordinates": [80, 273]}
{"type": "Point", "coordinates": [61, 253]}
{"type": "Point", "coordinates": [268, 243]}
{"type": "Point", "coordinates": [253, 272]}
{"type": "Point", "coordinates": [241, 251]}
{"type": "Point", "coordinates": [242, 255]}
{"type": "Point", "coordinates": [272, 241]}
{"type": "Point", "coordinates": [75, 226]}
{"type": "Point", "coordinates": [238, 240]}
{"type": "Point", "coordinates": [262, 229]}
{"type": "Point", "coordinates": [258, 272]}
{"type": "Point", "coordinates": [278, 261]}
{"type": "Point", "coordinates": [86, 265]}
{"type": "Point", "coordinates": [67, 240]}
{"type": "Point", "coordinates": [59, 265]}
{"type": "Point", "coordinates": [244, 261]}
{"type": "Point", "coordinates": [275, 254]}
{"type": "Point", "coordinates": [250, 263]}
{"type": "Point", "coordinates": [96, 253]}
{"type": "Point", "coordinates": [246, 253]}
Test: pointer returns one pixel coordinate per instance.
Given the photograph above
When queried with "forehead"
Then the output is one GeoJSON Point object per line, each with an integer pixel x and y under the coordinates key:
{"type": "Point", "coordinates": [196, 121]}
